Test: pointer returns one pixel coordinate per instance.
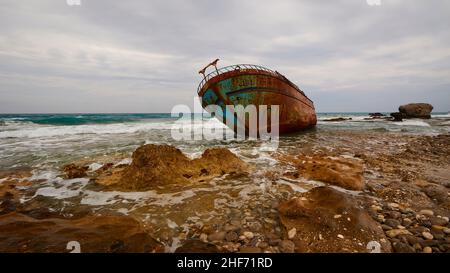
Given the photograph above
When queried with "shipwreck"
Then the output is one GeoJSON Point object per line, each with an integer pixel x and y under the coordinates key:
{"type": "Point", "coordinates": [247, 84]}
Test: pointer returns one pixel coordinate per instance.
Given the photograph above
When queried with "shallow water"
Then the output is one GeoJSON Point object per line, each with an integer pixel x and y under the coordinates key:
{"type": "Point", "coordinates": [45, 141]}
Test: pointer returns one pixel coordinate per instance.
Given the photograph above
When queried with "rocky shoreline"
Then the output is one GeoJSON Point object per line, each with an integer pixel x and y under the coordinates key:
{"type": "Point", "coordinates": [407, 111]}
{"type": "Point", "coordinates": [373, 192]}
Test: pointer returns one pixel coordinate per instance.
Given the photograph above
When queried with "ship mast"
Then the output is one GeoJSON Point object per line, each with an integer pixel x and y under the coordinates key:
{"type": "Point", "coordinates": [213, 63]}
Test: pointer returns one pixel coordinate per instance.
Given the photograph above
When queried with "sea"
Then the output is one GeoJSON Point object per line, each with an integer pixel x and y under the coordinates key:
{"type": "Point", "coordinates": [42, 141]}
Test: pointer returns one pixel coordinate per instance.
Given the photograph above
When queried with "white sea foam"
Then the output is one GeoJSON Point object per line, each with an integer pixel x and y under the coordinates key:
{"type": "Point", "coordinates": [123, 211]}
{"type": "Point", "coordinates": [37, 131]}
{"type": "Point", "coordinates": [102, 198]}
{"type": "Point", "coordinates": [64, 189]}
{"type": "Point", "coordinates": [349, 192]}
{"type": "Point", "coordinates": [348, 118]}
{"type": "Point", "coordinates": [412, 122]}
{"type": "Point", "coordinates": [44, 175]}
{"type": "Point", "coordinates": [94, 166]}
{"type": "Point", "coordinates": [58, 188]}
{"type": "Point", "coordinates": [293, 186]}
{"type": "Point", "coordinates": [125, 161]}
{"type": "Point", "coordinates": [441, 115]}
{"type": "Point", "coordinates": [171, 224]}
{"type": "Point", "coordinates": [246, 191]}
{"type": "Point", "coordinates": [176, 243]}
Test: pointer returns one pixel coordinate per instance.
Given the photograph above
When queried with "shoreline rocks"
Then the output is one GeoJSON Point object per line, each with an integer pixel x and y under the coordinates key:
{"type": "Point", "coordinates": [159, 165]}
{"type": "Point", "coordinates": [343, 172]}
{"type": "Point", "coordinates": [416, 110]}
{"type": "Point", "coordinates": [376, 115]}
{"type": "Point", "coordinates": [72, 171]}
{"type": "Point", "coordinates": [21, 233]}
{"type": "Point", "coordinates": [406, 192]}
{"type": "Point", "coordinates": [337, 119]}
{"type": "Point", "coordinates": [398, 116]}
{"type": "Point", "coordinates": [313, 214]}
{"type": "Point", "coordinates": [416, 233]}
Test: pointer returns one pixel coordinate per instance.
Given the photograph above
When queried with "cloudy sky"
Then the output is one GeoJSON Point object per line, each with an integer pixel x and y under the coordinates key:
{"type": "Point", "coordinates": [143, 56]}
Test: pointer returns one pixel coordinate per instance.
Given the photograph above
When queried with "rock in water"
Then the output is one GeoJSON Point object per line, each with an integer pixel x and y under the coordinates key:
{"type": "Point", "coordinates": [343, 172]}
{"type": "Point", "coordinates": [376, 115]}
{"type": "Point", "coordinates": [72, 171]}
{"type": "Point", "coordinates": [398, 116]}
{"type": "Point", "coordinates": [157, 165]}
{"type": "Point", "coordinates": [337, 119]}
{"type": "Point", "coordinates": [312, 215]}
{"type": "Point", "coordinates": [416, 110]}
{"type": "Point", "coordinates": [20, 233]}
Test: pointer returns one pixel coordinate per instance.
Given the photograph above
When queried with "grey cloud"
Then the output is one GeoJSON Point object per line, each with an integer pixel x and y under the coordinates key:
{"type": "Point", "coordinates": [143, 56]}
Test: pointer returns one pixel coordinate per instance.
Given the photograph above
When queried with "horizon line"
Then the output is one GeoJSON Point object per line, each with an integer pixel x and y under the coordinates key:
{"type": "Point", "coordinates": [139, 113]}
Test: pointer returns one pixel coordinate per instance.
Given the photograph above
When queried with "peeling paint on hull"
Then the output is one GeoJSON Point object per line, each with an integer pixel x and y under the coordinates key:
{"type": "Point", "coordinates": [254, 85]}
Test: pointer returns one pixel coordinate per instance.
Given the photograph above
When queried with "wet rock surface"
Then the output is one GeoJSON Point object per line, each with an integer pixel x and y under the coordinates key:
{"type": "Point", "coordinates": [342, 172]}
{"type": "Point", "coordinates": [155, 165]}
{"type": "Point", "coordinates": [413, 193]}
{"type": "Point", "coordinates": [327, 220]}
{"type": "Point", "coordinates": [74, 171]}
{"type": "Point", "coordinates": [21, 233]}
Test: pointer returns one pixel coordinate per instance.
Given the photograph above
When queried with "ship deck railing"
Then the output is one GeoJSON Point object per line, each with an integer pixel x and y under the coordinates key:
{"type": "Point", "coordinates": [243, 67]}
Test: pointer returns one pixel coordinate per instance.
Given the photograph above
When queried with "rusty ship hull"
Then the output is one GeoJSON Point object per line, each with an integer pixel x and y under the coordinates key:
{"type": "Point", "coordinates": [255, 85]}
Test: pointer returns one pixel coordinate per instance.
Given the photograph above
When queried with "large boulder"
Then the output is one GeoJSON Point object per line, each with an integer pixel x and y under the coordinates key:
{"type": "Point", "coordinates": [416, 110]}
{"type": "Point", "coordinates": [159, 165]}
{"type": "Point", "coordinates": [326, 220]}
{"type": "Point", "coordinates": [21, 233]}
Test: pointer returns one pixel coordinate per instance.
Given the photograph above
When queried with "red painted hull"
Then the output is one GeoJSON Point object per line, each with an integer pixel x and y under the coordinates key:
{"type": "Point", "coordinates": [260, 86]}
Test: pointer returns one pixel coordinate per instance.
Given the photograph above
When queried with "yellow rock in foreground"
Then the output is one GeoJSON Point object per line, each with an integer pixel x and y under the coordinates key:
{"type": "Point", "coordinates": [158, 165]}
